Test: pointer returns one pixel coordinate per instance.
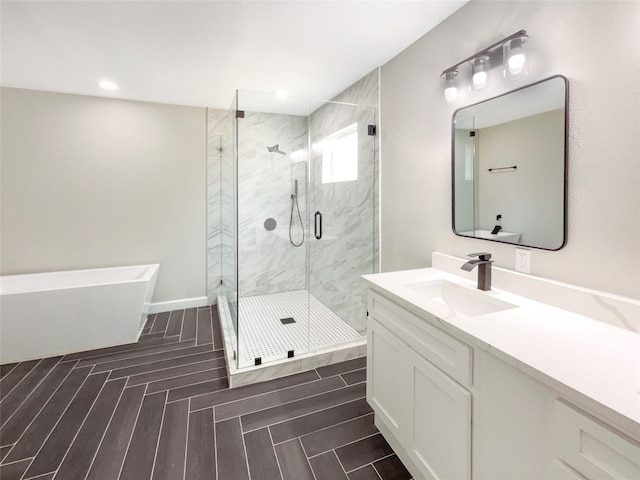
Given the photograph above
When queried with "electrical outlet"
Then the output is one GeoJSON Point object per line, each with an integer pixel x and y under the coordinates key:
{"type": "Point", "coordinates": [523, 260]}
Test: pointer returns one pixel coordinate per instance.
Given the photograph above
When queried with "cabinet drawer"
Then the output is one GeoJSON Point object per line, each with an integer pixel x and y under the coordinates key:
{"type": "Point", "coordinates": [592, 448]}
{"type": "Point", "coordinates": [446, 352]}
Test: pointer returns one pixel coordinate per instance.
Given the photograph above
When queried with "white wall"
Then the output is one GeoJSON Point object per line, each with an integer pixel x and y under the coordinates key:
{"type": "Point", "coordinates": [596, 46]}
{"type": "Point", "coordinates": [96, 182]}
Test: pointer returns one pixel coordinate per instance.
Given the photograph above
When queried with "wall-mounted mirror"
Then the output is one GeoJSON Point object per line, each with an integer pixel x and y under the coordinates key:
{"type": "Point", "coordinates": [509, 166]}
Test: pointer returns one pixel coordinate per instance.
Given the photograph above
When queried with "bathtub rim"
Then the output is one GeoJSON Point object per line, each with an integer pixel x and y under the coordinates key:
{"type": "Point", "coordinates": [151, 269]}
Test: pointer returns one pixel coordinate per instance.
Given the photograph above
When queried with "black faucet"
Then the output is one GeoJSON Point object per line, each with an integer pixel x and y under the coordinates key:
{"type": "Point", "coordinates": [484, 269]}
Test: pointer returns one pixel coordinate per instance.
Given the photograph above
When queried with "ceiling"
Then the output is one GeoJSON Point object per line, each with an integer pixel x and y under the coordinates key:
{"type": "Point", "coordinates": [199, 52]}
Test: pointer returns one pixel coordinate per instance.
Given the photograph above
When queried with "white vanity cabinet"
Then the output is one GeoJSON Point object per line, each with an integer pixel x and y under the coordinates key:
{"type": "Point", "coordinates": [413, 376]}
{"type": "Point", "coordinates": [428, 388]}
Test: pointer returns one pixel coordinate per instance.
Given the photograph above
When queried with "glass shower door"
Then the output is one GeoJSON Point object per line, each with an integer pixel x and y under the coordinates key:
{"type": "Point", "coordinates": [343, 244]}
{"type": "Point", "coordinates": [272, 228]}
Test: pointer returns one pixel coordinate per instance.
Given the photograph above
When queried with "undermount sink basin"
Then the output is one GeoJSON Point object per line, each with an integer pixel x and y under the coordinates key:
{"type": "Point", "coordinates": [462, 299]}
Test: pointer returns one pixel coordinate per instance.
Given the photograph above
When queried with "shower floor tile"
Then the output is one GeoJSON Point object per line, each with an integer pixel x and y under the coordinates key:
{"type": "Point", "coordinates": [263, 334]}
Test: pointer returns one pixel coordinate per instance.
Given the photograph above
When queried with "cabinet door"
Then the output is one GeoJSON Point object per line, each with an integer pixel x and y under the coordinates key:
{"type": "Point", "coordinates": [439, 438]}
{"type": "Point", "coordinates": [387, 384]}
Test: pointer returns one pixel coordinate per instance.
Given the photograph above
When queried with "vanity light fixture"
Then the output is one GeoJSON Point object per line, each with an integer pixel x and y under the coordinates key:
{"type": "Point", "coordinates": [508, 52]}
{"type": "Point", "coordinates": [450, 89]}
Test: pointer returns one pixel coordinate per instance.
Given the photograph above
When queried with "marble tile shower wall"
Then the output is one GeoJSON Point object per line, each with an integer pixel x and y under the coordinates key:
{"type": "Point", "coordinates": [349, 247]}
{"type": "Point", "coordinates": [268, 263]}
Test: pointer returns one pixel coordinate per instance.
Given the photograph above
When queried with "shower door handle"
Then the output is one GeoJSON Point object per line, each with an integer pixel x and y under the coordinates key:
{"type": "Point", "coordinates": [318, 225]}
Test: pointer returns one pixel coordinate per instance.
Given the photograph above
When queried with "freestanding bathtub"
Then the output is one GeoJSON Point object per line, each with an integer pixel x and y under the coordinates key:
{"type": "Point", "coordinates": [48, 314]}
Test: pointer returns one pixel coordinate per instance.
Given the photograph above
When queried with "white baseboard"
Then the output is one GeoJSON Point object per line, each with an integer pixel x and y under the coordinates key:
{"type": "Point", "coordinates": [182, 304]}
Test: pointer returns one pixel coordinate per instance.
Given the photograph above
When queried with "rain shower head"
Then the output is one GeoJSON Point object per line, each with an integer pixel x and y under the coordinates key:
{"type": "Point", "coordinates": [276, 149]}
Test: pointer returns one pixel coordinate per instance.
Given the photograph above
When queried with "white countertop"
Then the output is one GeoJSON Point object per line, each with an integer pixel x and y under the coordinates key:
{"type": "Point", "coordinates": [556, 346]}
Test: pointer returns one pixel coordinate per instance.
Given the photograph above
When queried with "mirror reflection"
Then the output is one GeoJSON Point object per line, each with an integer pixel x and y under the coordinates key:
{"type": "Point", "coordinates": [508, 167]}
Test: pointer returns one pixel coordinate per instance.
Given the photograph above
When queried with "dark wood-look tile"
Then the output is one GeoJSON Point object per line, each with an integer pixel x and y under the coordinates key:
{"type": "Point", "coordinates": [225, 396]}
{"type": "Point", "coordinates": [38, 431]}
{"type": "Point", "coordinates": [204, 333]}
{"type": "Point", "coordinates": [6, 368]}
{"type": "Point", "coordinates": [197, 389]}
{"type": "Point", "coordinates": [364, 473]}
{"type": "Point", "coordinates": [230, 453]}
{"type": "Point", "coordinates": [343, 367]}
{"type": "Point", "coordinates": [161, 361]}
{"type": "Point", "coordinates": [171, 453]}
{"type": "Point", "coordinates": [4, 451]}
{"type": "Point", "coordinates": [272, 399]}
{"type": "Point", "coordinates": [261, 456]}
{"type": "Point", "coordinates": [174, 372]}
{"type": "Point", "coordinates": [16, 425]}
{"type": "Point", "coordinates": [391, 468]}
{"type": "Point", "coordinates": [187, 380]}
{"type": "Point", "coordinates": [15, 470]}
{"type": "Point", "coordinates": [363, 451]}
{"type": "Point", "coordinates": [15, 376]}
{"type": "Point", "coordinates": [298, 408]}
{"type": "Point", "coordinates": [189, 322]}
{"type": "Point", "coordinates": [160, 323]}
{"type": "Point", "coordinates": [175, 323]}
{"type": "Point", "coordinates": [327, 466]}
{"type": "Point", "coordinates": [354, 377]}
{"type": "Point", "coordinates": [201, 448]}
{"type": "Point", "coordinates": [149, 322]}
{"type": "Point", "coordinates": [52, 452]}
{"type": "Point", "coordinates": [293, 461]}
{"type": "Point", "coordinates": [151, 358]}
{"type": "Point", "coordinates": [338, 434]}
{"type": "Point", "coordinates": [46, 476]}
{"type": "Point", "coordinates": [113, 448]}
{"type": "Point", "coordinates": [151, 336]}
{"type": "Point", "coordinates": [131, 350]}
{"type": "Point", "coordinates": [22, 390]}
{"type": "Point", "coordinates": [138, 463]}
{"type": "Point", "coordinates": [78, 460]}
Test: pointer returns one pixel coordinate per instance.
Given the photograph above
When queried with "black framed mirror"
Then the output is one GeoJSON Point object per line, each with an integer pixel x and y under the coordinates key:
{"type": "Point", "coordinates": [509, 166]}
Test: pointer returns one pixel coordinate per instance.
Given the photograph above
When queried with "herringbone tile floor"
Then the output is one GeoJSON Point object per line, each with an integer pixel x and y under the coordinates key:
{"type": "Point", "coordinates": [161, 409]}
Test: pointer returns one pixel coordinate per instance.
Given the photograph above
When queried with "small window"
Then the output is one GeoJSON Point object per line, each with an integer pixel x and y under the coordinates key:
{"type": "Point", "coordinates": [340, 156]}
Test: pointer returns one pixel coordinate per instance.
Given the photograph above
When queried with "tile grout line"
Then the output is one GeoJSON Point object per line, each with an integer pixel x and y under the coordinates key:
{"type": "Point", "coordinates": [372, 463]}
{"type": "Point", "coordinates": [155, 361]}
{"type": "Point", "coordinates": [331, 426]}
{"type": "Point", "coordinates": [170, 367]}
{"type": "Point", "coordinates": [132, 350]}
{"type": "Point", "coordinates": [33, 391]}
{"type": "Point", "coordinates": [104, 434]}
{"type": "Point", "coordinates": [273, 447]}
{"type": "Point", "coordinates": [244, 447]}
{"type": "Point", "coordinates": [192, 385]}
{"type": "Point", "coordinates": [21, 380]}
{"type": "Point", "coordinates": [339, 462]}
{"type": "Point", "coordinates": [179, 376]}
{"type": "Point", "coordinates": [126, 452]}
{"type": "Point", "coordinates": [306, 457]}
{"type": "Point", "coordinates": [257, 394]}
{"type": "Point", "coordinates": [155, 454]}
{"type": "Point", "coordinates": [39, 411]}
{"type": "Point", "coordinates": [300, 399]}
{"type": "Point", "coordinates": [55, 425]}
{"type": "Point", "coordinates": [186, 441]}
{"type": "Point", "coordinates": [84, 420]}
{"type": "Point", "coordinates": [215, 443]}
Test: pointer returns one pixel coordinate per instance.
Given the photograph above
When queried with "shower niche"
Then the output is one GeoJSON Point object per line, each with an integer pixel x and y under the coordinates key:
{"type": "Point", "coordinates": [297, 200]}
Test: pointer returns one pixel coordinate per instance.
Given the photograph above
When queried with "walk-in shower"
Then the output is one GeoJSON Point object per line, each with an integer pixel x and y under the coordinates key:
{"type": "Point", "coordinates": [286, 292]}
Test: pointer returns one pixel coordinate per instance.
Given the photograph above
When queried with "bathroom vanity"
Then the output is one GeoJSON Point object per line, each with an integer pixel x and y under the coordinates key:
{"type": "Point", "coordinates": [534, 379]}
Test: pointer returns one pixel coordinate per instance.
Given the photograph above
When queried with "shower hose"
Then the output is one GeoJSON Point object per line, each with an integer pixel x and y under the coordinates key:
{"type": "Point", "coordinates": [295, 206]}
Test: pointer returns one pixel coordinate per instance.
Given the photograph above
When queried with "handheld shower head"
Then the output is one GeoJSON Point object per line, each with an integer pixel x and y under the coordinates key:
{"type": "Point", "coordinates": [276, 149]}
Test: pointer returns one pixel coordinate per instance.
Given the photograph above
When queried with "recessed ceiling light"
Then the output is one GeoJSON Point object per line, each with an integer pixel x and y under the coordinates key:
{"type": "Point", "coordinates": [108, 85]}
{"type": "Point", "coordinates": [282, 92]}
